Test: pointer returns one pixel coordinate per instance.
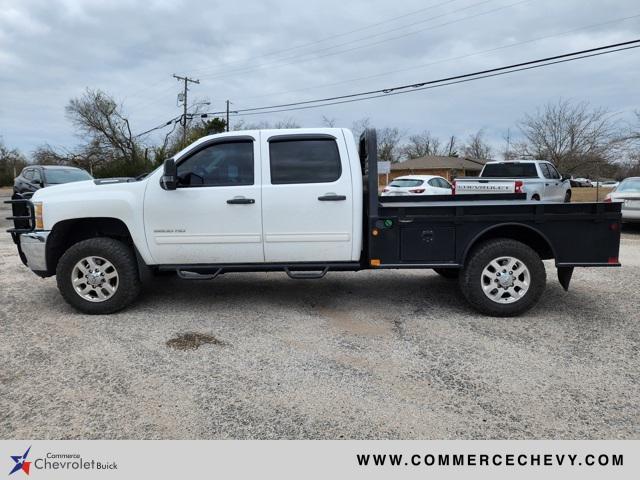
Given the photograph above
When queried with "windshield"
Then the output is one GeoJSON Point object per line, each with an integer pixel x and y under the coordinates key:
{"type": "Point", "coordinates": [510, 170]}
{"type": "Point", "coordinates": [65, 175]}
{"type": "Point", "coordinates": [631, 185]}
{"type": "Point", "coordinates": [406, 182]}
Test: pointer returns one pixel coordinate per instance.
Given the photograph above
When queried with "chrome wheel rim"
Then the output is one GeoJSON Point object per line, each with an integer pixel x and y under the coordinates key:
{"type": "Point", "coordinates": [505, 280]}
{"type": "Point", "coordinates": [95, 279]}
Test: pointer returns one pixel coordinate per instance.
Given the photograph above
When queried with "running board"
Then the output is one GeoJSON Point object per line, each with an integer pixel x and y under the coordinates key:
{"type": "Point", "coordinates": [306, 275]}
{"type": "Point", "coordinates": [297, 271]}
{"type": "Point", "coordinates": [187, 275]}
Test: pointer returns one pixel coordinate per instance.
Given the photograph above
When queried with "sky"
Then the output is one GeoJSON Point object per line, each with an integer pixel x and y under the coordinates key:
{"type": "Point", "coordinates": [257, 53]}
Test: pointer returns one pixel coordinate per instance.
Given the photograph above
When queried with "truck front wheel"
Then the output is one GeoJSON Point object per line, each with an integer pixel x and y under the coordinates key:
{"type": "Point", "coordinates": [98, 276]}
{"type": "Point", "coordinates": [503, 278]}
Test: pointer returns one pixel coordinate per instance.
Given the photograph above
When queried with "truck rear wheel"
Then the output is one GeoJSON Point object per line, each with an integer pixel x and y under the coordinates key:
{"type": "Point", "coordinates": [503, 278]}
{"type": "Point", "coordinates": [98, 276]}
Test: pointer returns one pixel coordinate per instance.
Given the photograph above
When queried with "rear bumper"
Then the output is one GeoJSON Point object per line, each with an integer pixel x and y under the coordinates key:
{"type": "Point", "coordinates": [629, 215]}
{"type": "Point", "coordinates": [33, 246]}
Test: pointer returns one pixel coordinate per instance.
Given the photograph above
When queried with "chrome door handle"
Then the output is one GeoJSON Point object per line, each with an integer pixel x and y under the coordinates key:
{"type": "Point", "coordinates": [331, 197]}
{"type": "Point", "coordinates": [240, 201]}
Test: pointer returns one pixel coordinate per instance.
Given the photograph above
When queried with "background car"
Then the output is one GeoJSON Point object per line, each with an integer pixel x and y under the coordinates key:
{"type": "Point", "coordinates": [606, 184]}
{"type": "Point", "coordinates": [35, 177]}
{"type": "Point", "coordinates": [417, 185]}
{"type": "Point", "coordinates": [581, 182]}
{"type": "Point", "coordinates": [627, 192]}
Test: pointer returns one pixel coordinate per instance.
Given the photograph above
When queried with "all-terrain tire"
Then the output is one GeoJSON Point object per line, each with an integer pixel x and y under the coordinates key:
{"type": "Point", "coordinates": [123, 260]}
{"type": "Point", "coordinates": [471, 277]}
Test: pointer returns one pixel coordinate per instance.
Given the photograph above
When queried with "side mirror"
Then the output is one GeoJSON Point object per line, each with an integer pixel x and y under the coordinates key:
{"type": "Point", "coordinates": [169, 179]}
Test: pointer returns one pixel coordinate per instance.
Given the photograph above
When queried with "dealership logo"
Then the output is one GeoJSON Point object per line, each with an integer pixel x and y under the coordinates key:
{"type": "Point", "coordinates": [59, 461]}
{"type": "Point", "coordinates": [21, 463]}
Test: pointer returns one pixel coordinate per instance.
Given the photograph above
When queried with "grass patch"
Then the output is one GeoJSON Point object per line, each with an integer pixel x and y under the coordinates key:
{"type": "Point", "coordinates": [588, 194]}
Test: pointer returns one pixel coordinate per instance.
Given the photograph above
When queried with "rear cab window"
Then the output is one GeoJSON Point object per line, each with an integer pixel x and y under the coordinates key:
{"type": "Point", "coordinates": [510, 170]}
{"type": "Point", "coordinates": [304, 160]}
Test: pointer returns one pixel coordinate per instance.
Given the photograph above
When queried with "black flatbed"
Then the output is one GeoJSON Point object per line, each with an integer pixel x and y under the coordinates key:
{"type": "Point", "coordinates": [440, 231]}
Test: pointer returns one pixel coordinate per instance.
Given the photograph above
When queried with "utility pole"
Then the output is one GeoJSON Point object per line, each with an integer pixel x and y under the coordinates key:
{"type": "Point", "coordinates": [186, 80]}
{"type": "Point", "coordinates": [227, 116]}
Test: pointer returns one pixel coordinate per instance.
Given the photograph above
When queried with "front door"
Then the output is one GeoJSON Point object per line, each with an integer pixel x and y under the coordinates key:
{"type": "Point", "coordinates": [214, 216]}
{"type": "Point", "coordinates": [307, 199]}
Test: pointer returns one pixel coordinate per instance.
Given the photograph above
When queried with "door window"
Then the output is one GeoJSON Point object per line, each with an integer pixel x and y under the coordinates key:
{"type": "Point", "coordinates": [304, 161]}
{"type": "Point", "coordinates": [434, 183]}
{"type": "Point", "coordinates": [28, 174]}
{"type": "Point", "coordinates": [444, 183]}
{"type": "Point", "coordinates": [36, 177]}
{"type": "Point", "coordinates": [218, 165]}
{"type": "Point", "coordinates": [546, 173]}
{"type": "Point", "coordinates": [552, 170]}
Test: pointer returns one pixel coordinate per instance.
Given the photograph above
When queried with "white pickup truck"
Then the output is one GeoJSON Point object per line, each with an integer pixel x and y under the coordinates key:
{"type": "Point", "coordinates": [303, 202]}
{"type": "Point", "coordinates": [538, 179]}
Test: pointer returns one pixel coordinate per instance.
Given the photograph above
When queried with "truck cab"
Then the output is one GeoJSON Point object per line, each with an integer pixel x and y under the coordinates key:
{"type": "Point", "coordinates": [259, 196]}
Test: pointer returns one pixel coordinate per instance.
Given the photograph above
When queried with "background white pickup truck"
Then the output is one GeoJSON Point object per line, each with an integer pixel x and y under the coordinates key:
{"type": "Point", "coordinates": [538, 179]}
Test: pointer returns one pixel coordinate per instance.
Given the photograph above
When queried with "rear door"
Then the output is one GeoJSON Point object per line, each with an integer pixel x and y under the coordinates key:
{"type": "Point", "coordinates": [307, 210]}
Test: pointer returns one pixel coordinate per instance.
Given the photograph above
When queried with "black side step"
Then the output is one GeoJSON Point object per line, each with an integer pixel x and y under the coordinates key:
{"type": "Point", "coordinates": [187, 275]}
{"type": "Point", "coordinates": [297, 275]}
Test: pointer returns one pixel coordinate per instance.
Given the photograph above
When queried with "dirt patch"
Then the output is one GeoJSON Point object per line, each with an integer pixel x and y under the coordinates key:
{"type": "Point", "coordinates": [588, 194]}
{"type": "Point", "coordinates": [192, 341]}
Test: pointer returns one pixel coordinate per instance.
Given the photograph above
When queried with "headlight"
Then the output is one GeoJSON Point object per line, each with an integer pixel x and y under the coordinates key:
{"type": "Point", "coordinates": [37, 208]}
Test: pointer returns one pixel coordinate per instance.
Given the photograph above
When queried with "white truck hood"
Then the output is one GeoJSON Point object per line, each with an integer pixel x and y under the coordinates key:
{"type": "Point", "coordinates": [78, 188]}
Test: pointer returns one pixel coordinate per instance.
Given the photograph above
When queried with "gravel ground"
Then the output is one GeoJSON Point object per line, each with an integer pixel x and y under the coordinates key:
{"type": "Point", "coordinates": [392, 354]}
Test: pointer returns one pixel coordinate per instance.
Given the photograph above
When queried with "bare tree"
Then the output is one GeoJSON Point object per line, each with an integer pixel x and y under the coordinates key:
{"type": "Point", "coordinates": [329, 121]}
{"type": "Point", "coordinates": [266, 124]}
{"type": "Point", "coordinates": [572, 135]}
{"type": "Point", "coordinates": [11, 163]}
{"type": "Point", "coordinates": [100, 119]}
{"type": "Point", "coordinates": [389, 144]}
{"type": "Point", "coordinates": [422, 145]}
{"type": "Point", "coordinates": [359, 126]}
{"type": "Point", "coordinates": [451, 149]}
{"type": "Point", "coordinates": [476, 147]}
{"type": "Point", "coordinates": [88, 156]}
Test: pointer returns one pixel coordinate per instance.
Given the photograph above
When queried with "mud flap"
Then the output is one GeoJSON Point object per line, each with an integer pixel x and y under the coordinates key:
{"type": "Point", "coordinates": [564, 277]}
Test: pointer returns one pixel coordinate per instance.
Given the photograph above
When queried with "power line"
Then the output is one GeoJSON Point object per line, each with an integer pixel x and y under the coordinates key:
{"type": "Point", "coordinates": [444, 60]}
{"type": "Point", "coordinates": [313, 56]}
{"type": "Point", "coordinates": [428, 84]}
{"type": "Point", "coordinates": [457, 77]}
{"type": "Point", "coordinates": [331, 37]}
{"type": "Point", "coordinates": [428, 87]}
{"type": "Point", "coordinates": [262, 66]}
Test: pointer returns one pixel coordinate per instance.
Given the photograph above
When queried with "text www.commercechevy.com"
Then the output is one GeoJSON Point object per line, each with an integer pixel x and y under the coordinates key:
{"type": "Point", "coordinates": [489, 460]}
